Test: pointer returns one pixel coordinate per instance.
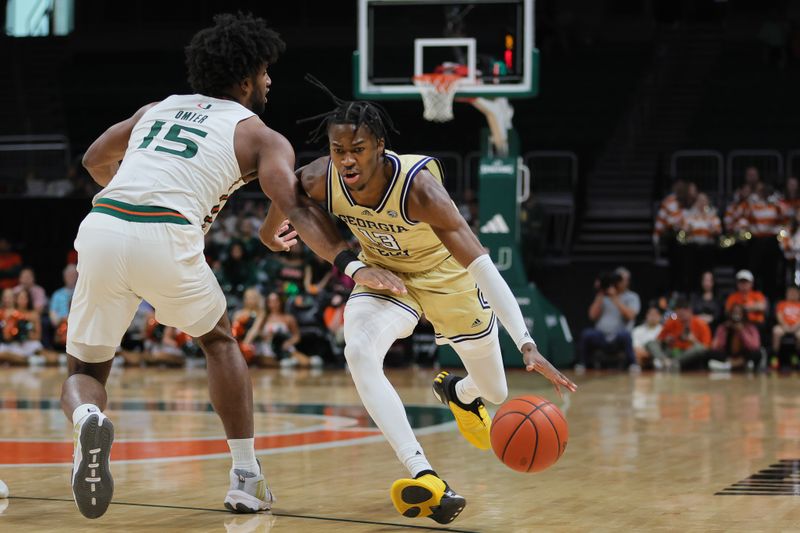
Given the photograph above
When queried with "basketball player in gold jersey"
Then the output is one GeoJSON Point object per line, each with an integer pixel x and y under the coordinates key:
{"type": "Point", "coordinates": [406, 223]}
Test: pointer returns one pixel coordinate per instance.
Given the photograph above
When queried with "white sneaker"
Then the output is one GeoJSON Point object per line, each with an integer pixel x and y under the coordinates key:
{"type": "Point", "coordinates": [719, 366]}
{"type": "Point", "coordinates": [316, 361]}
{"type": "Point", "coordinates": [658, 364]}
{"type": "Point", "coordinates": [92, 484]}
{"type": "Point", "coordinates": [287, 362]}
{"type": "Point", "coordinates": [248, 492]}
{"type": "Point", "coordinates": [634, 369]}
{"type": "Point", "coordinates": [580, 369]}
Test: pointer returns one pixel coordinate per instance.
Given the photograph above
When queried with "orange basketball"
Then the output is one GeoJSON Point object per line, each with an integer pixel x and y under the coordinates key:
{"type": "Point", "coordinates": [529, 433]}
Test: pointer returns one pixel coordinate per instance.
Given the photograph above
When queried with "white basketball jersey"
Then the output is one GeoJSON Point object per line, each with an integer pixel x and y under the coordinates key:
{"type": "Point", "coordinates": [181, 156]}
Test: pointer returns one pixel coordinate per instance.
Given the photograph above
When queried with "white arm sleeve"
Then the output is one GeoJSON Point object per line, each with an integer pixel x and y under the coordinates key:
{"type": "Point", "coordinates": [498, 294]}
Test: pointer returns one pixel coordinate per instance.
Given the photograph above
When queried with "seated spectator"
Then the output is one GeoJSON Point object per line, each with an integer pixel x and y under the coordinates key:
{"type": "Point", "coordinates": [59, 307]}
{"type": "Point", "coordinates": [132, 347]}
{"type": "Point", "coordinates": [790, 239]}
{"type": "Point", "coordinates": [281, 334]}
{"type": "Point", "coordinates": [736, 342]}
{"type": "Point", "coordinates": [646, 332]}
{"type": "Point", "coordinates": [291, 271]}
{"type": "Point", "coordinates": [247, 324]}
{"type": "Point", "coordinates": [754, 302]}
{"type": "Point", "coordinates": [10, 265]}
{"type": "Point", "coordinates": [22, 331]}
{"type": "Point", "coordinates": [790, 202]}
{"type": "Point", "coordinates": [668, 224]}
{"type": "Point", "coordinates": [683, 340]}
{"type": "Point", "coordinates": [613, 311]}
{"type": "Point", "coordinates": [164, 345]}
{"type": "Point", "coordinates": [314, 337]}
{"type": "Point", "coordinates": [238, 272]}
{"type": "Point", "coordinates": [8, 318]}
{"type": "Point", "coordinates": [787, 318]}
{"type": "Point", "coordinates": [705, 303]}
{"type": "Point", "coordinates": [27, 281]}
{"type": "Point", "coordinates": [333, 317]}
{"type": "Point", "coordinates": [735, 218]}
{"type": "Point", "coordinates": [701, 227]}
{"type": "Point", "coordinates": [764, 254]}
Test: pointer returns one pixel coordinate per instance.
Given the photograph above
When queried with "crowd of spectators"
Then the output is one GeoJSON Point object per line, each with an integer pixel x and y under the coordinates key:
{"type": "Point", "coordinates": [741, 330]}
{"type": "Point", "coordinates": [758, 231]}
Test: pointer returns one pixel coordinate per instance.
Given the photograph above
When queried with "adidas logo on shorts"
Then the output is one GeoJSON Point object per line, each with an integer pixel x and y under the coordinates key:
{"type": "Point", "coordinates": [477, 323]}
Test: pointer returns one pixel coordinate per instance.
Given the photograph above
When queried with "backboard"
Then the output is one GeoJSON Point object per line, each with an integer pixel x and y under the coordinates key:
{"type": "Point", "coordinates": [489, 42]}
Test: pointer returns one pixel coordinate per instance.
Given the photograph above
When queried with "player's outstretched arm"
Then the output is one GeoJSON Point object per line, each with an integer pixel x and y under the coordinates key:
{"type": "Point", "coordinates": [429, 202]}
{"type": "Point", "coordinates": [278, 181]}
{"type": "Point", "coordinates": [274, 231]}
{"type": "Point", "coordinates": [102, 158]}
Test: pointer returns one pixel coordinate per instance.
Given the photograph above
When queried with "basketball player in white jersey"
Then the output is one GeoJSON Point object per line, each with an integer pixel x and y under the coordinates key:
{"type": "Point", "coordinates": [181, 160]}
{"type": "Point", "coordinates": [406, 222]}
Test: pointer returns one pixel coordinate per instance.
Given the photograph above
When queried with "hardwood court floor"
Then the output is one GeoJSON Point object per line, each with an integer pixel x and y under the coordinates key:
{"type": "Point", "coordinates": [656, 452]}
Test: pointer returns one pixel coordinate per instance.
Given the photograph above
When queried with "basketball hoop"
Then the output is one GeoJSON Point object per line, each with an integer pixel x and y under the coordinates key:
{"type": "Point", "coordinates": [437, 91]}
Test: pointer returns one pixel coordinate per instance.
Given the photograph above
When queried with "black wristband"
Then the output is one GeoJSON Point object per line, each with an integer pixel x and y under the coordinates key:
{"type": "Point", "coordinates": [344, 258]}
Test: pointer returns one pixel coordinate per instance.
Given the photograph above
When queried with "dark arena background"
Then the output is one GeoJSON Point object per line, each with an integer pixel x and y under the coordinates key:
{"type": "Point", "coordinates": [643, 205]}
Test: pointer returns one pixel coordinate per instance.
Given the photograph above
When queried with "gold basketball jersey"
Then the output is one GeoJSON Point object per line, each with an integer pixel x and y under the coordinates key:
{"type": "Point", "coordinates": [388, 236]}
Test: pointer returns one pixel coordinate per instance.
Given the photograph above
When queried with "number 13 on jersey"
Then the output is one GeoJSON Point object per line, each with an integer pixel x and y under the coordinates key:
{"type": "Point", "coordinates": [384, 240]}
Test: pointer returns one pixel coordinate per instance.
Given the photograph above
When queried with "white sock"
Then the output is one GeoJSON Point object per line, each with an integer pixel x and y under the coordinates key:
{"type": "Point", "coordinates": [467, 390]}
{"type": "Point", "coordinates": [414, 459]}
{"type": "Point", "coordinates": [82, 411]}
{"type": "Point", "coordinates": [244, 455]}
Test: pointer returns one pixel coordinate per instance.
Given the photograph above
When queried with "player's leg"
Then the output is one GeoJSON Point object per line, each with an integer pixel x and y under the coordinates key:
{"type": "Point", "coordinates": [371, 325]}
{"type": "Point", "coordinates": [101, 310]}
{"type": "Point", "coordinates": [186, 295]}
{"type": "Point", "coordinates": [485, 380]}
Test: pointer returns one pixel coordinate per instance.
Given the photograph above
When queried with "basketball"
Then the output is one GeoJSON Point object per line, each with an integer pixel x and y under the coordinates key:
{"type": "Point", "coordinates": [529, 434]}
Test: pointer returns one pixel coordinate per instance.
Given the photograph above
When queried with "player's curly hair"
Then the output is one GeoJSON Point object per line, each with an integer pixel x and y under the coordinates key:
{"type": "Point", "coordinates": [359, 113]}
{"type": "Point", "coordinates": [234, 48]}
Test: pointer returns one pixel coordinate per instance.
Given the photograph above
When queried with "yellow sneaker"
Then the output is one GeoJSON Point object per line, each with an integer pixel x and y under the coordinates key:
{"type": "Point", "coordinates": [473, 420]}
{"type": "Point", "coordinates": [428, 496]}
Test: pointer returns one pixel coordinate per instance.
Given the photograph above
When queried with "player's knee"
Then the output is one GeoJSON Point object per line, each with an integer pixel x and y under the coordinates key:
{"type": "Point", "coordinates": [777, 331]}
{"type": "Point", "coordinates": [496, 394]}
{"type": "Point", "coordinates": [358, 351]}
{"type": "Point", "coordinates": [216, 341]}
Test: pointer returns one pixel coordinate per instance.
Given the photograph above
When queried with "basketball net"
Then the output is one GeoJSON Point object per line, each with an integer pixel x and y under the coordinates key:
{"type": "Point", "coordinates": [498, 114]}
{"type": "Point", "coordinates": [438, 91]}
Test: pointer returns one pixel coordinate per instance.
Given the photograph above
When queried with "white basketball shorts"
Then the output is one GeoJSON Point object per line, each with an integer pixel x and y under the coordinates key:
{"type": "Point", "coordinates": [121, 262]}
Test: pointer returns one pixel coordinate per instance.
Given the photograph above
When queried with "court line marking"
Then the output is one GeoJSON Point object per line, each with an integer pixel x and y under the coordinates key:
{"type": "Point", "coordinates": [438, 428]}
{"type": "Point", "coordinates": [287, 515]}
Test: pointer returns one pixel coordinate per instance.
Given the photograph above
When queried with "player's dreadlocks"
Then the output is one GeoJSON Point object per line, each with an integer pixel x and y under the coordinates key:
{"type": "Point", "coordinates": [230, 51]}
{"type": "Point", "coordinates": [359, 113]}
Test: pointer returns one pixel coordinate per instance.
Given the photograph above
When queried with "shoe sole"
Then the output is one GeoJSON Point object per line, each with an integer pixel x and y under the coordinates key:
{"type": "Point", "coordinates": [92, 484]}
{"type": "Point", "coordinates": [420, 504]}
{"type": "Point", "coordinates": [238, 501]}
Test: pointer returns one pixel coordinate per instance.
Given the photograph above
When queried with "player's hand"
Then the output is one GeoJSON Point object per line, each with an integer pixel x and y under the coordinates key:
{"type": "Point", "coordinates": [379, 278]}
{"type": "Point", "coordinates": [536, 361]}
{"type": "Point", "coordinates": [283, 239]}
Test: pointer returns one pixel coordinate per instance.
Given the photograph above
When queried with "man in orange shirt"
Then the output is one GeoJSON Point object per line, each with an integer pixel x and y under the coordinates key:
{"type": "Point", "coordinates": [754, 302]}
{"type": "Point", "coordinates": [684, 337]}
{"type": "Point", "coordinates": [787, 314]}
